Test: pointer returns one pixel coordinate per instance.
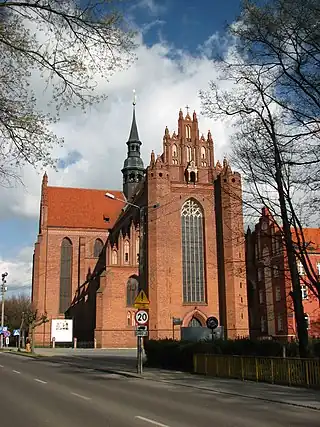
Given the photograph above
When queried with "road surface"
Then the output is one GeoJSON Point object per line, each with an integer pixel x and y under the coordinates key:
{"type": "Point", "coordinates": [38, 393]}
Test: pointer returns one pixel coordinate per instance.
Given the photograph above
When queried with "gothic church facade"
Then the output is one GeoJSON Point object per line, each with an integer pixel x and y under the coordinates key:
{"type": "Point", "coordinates": [86, 258]}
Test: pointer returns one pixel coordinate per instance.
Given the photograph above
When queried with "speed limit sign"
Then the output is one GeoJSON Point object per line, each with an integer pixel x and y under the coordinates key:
{"type": "Point", "coordinates": [142, 317]}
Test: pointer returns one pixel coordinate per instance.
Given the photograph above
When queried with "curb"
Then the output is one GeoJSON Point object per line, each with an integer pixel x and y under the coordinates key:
{"type": "Point", "coordinates": [24, 354]}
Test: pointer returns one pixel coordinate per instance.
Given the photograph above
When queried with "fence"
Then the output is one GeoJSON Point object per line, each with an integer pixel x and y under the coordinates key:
{"type": "Point", "coordinates": [275, 370]}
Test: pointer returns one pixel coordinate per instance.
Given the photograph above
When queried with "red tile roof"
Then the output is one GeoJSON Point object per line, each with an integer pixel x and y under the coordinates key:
{"type": "Point", "coordinates": [82, 207]}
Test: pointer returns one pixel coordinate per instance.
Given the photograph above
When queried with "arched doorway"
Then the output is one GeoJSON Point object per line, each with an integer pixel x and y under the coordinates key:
{"type": "Point", "coordinates": [195, 323]}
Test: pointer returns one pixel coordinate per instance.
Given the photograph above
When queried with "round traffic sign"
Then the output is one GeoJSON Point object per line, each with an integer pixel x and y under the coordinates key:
{"type": "Point", "coordinates": [142, 317]}
{"type": "Point", "coordinates": [212, 322]}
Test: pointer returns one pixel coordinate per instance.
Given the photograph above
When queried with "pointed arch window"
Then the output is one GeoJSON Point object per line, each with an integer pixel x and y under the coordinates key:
{"type": "Point", "coordinates": [189, 154]}
{"type": "Point", "coordinates": [203, 153]}
{"type": "Point", "coordinates": [97, 248]}
{"type": "Point", "coordinates": [193, 252]}
{"type": "Point", "coordinates": [114, 257]}
{"type": "Point", "coordinates": [126, 252]}
{"type": "Point", "coordinates": [65, 275]}
{"type": "Point", "coordinates": [174, 150]}
{"type": "Point", "coordinates": [188, 132]}
{"type": "Point", "coordinates": [132, 290]}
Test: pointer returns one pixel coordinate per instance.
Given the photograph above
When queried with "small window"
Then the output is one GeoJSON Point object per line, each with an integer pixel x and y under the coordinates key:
{"type": "Point", "coordinates": [203, 153]}
{"type": "Point", "coordinates": [278, 294]}
{"type": "Point", "coordinates": [261, 298]}
{"type": "Point", "coordinates": [263, 324]}
{"type": "Point", "coordinates": [300, 269]}
{"type": "Point", "coordinates": [280, 322]}
{"type": "Point", "coordinates": [188, 132]}
{"type": "Point", "coordinates": [129, 321]}
{"type": "Point", "coordinates": [132, 290]}
{"type": "Point", "coordinates": [275, 269]}
{"type": "Point", "coordinates": [97, 248]}
{"type": "Point", "coordinates": [307, 320]}
{"type": "Point", "coordinates": [304, 292]}
{"type": "Point", "coordinates": [114, 257]}
{"type": "Point", "coordinates": [174, 150]}
{"type": "Point", "coordinates": [126, 247]}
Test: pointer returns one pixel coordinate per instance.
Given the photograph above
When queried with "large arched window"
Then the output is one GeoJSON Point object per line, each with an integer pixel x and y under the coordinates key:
{"type": "Point", "coordinates": [132, 290]}
{"type": "Point", "coordinates": [65, 275]}
{"type": "Point", "coordinates": [193, 252]}
{"type": "Point", "coordinates": [97, 248]}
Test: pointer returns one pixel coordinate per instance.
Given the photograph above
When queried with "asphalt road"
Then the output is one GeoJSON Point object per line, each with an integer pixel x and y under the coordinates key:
{"type": "Point", "coordinates": [36, 392]}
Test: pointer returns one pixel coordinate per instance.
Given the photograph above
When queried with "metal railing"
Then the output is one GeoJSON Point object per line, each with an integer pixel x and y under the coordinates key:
{"type": "Point", "coordinates": [275, 370]}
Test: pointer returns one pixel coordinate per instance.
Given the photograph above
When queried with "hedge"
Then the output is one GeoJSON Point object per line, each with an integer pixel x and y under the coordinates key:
{"type": "Point", "coordinates": [178, 355]}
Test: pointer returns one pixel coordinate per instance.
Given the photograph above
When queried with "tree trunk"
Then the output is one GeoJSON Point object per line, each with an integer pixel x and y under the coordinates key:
{"type": "Point", "coordinates": [295, 279]}
{"type": "Point", "coordinates": [32, 338]}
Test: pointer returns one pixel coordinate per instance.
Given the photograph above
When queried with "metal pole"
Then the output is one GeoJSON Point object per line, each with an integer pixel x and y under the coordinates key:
{"type": "Point", "coordinates": [139, 356]}
{"type": "Point", "coordinates": [2, 307]}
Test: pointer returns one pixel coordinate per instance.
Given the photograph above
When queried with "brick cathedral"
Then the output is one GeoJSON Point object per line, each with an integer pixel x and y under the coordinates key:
{"type": "Point", "coordinates": [86, 258]}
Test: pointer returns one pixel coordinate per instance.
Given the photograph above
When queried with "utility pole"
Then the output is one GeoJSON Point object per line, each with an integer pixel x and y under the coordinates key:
{"type": "Point", "coordinates": [3, 290]}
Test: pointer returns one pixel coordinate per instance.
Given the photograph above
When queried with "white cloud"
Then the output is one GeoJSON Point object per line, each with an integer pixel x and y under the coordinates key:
{"type": "Point", "coordinates": [19, 271]}
{"type": "Point", "coordinates": [165, 80]}
{"type": "Point", "coordinates": [153, 7]}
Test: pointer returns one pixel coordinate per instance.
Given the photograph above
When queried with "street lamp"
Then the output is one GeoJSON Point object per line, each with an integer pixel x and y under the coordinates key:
{"type": "Point", "coordinates": [3, 290]}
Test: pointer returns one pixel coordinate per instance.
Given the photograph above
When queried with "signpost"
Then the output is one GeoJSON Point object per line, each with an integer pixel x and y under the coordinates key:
{"type": "Point", "coordinates": [212, 323]}
{"type": "Point", "coordinates": [141, 302]}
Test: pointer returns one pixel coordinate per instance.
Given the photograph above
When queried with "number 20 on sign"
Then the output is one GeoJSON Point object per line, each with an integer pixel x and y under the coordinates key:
{"type": "Point", "coordinates": [142, 317]}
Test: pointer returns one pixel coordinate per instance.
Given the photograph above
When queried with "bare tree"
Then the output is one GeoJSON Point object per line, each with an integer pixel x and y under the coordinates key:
{"type": "Point", "coordinates": [65, 46]}
{"type": "Point", "coordinates": [15, 306]}
{"type": "Point", "coordinates": [32, 320]}
{"type": "Point", "coordinates": [275, 135]}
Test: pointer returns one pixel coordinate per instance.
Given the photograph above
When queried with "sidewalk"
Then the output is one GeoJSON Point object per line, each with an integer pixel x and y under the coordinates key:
{"type": "Point", "coordinates": [262, 391]}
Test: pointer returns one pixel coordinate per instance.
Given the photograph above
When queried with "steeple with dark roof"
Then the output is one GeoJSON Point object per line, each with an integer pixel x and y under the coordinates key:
{"type": "Point", "coordinates": [133, 168]}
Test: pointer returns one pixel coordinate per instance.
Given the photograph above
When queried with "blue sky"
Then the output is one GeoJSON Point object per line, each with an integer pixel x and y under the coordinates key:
{"type": "Point", "coordinates": [182, 24]}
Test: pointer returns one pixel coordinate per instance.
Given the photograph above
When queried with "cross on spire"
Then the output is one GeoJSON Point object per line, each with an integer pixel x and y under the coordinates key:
{"type": "Point", "coordinates": [134, 101]}
{"type": "Point", "coordinates": [187, 107]}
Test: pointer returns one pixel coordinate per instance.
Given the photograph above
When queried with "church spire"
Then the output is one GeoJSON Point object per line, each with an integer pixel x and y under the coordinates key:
{"type": "Point", "coordinates": [134, 136]}
{"type": "Point", "coordinates": [133, 168]}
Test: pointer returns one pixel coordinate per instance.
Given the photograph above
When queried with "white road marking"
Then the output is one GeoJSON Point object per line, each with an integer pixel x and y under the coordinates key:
{"type": "Point", "coordinates": [40, 381]}
{"type": "Point", "coordinates": [16, 372]}
{"type": "Point", "coordinates": [147, 420]}
{"type": "Point", "coordinates": [80, 395]}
